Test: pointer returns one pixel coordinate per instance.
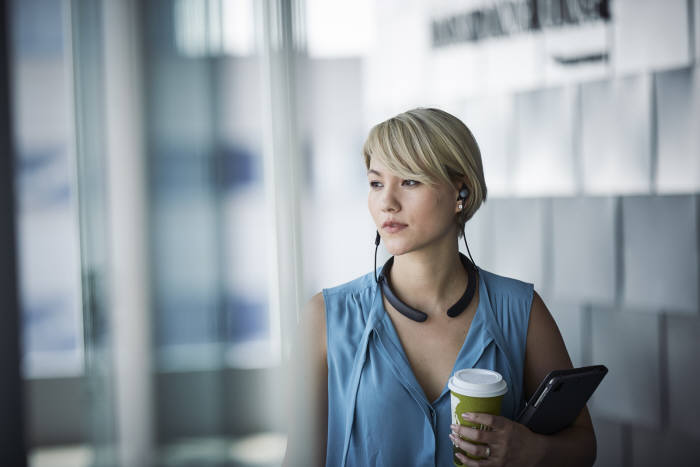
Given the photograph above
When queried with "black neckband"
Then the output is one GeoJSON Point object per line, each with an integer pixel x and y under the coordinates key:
{"type": "Point", "coordinates": [417, 315]}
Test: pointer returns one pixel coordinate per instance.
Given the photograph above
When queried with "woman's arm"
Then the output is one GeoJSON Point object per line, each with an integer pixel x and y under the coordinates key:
{"type": "Point", "coordinates": [545, 351]}
{"type": "Point", "coordinates": [307, 401]}
{"type": "Point", "coordinates": [511, 443]}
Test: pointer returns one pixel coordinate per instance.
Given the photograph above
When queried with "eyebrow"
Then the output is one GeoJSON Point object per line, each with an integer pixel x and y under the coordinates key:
{"type": "Point", "coordinates": [372, 171]}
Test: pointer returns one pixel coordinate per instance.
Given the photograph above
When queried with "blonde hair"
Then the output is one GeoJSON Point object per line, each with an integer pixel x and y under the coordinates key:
{"type": "Point", "coordinates": [430, 146]}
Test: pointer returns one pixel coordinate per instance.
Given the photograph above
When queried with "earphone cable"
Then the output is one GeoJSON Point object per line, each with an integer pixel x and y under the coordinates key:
{"type": "Point", "coordinates": [464, 235]}
{"type": "Point", "coordinates": [376, 247]}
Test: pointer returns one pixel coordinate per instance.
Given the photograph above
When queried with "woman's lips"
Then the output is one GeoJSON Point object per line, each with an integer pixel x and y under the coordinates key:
{"type": "Point", "coordinates": [393, 227]}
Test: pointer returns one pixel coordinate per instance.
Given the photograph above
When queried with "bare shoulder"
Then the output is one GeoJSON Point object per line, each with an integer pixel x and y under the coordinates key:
{"type": "Point", "coordinates": [314, 322]}
{"type": "Point", "coordinates": [307, 403]}
{"type": "Point", "coordinates": [310, 337]}
{"type": "Point", "coordinates": [317, 307]}
{"type": "Point", "coordinates": [541, 321]}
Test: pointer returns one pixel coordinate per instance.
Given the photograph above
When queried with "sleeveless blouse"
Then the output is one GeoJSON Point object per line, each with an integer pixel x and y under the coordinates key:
{"type": "Point", "coordinates": [378, 414]}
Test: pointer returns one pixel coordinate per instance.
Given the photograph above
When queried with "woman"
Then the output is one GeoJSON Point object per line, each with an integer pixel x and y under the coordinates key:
{"type": "Point", "coordinates": [379, 350]}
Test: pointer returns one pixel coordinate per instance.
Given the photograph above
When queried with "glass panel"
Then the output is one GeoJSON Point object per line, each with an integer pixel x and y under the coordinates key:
{"type": "Point", "coordinates": [52, 328]}
{"type": "Point", "coordinates": [87, 49]}
{"type": "Point", "coordinates": [210, 231]}
{"type": "Point", "coordinates": [61, 234]}
{"type": "Point", "coordinates": [207, 190]}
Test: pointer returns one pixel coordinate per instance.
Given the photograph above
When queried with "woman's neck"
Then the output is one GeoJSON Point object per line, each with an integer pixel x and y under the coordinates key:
{"type": "Point", "coordinates": [430, 279]}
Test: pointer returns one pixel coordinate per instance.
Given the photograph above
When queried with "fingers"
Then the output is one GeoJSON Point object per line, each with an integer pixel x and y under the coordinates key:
{"type": "Point", "coordinates": [493, 421]}
{"type": "Point", "coordinates": [476, 450]}
{"type": "Point", "coordinates": [474, 434]}
{"type": "Point", "coordinates": [472, 462]}
{"type": "Point", "coordinates": [491, 428]}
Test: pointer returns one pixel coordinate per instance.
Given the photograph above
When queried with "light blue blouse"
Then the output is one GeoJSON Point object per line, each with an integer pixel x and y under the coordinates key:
{"type": "Point", "coordinates": [378, 414]}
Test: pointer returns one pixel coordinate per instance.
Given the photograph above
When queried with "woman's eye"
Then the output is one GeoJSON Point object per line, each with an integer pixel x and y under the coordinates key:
{"type": "Point", "coordinates": [410, 182]}
{"type": "Point", "coordinates": [374, 184]}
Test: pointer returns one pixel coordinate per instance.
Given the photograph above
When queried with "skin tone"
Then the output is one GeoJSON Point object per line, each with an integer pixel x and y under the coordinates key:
{"type": "Point", "coordinates": [427, 271]}
{"type": "Point", "coordinates": [416, 222]}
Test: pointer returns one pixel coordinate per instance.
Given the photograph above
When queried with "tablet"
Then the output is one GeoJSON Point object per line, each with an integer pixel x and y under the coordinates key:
{"type": "Point", "coordinates": [560, 398]}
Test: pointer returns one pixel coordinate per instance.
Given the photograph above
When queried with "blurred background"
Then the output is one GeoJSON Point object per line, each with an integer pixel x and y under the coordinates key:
{"type": "Point", "coordinates": [180, 176]}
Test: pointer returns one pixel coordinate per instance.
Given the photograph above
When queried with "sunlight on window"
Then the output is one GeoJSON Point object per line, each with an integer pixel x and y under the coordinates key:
{"type": "Point", "coordinates": [338, 28]}
{"type": "Point", "coordinates": [214, 27]}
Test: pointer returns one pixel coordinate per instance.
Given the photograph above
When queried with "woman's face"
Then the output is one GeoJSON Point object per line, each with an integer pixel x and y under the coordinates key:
{"type": "Point", "coordinates": [410, 215]}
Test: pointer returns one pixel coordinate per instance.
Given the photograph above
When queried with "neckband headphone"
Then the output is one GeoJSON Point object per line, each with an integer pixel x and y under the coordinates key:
{"type": "Point", "coordinates": [407, 310]}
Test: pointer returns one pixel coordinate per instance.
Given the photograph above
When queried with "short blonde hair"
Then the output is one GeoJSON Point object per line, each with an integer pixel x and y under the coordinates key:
{"type": "Point", "coordinates": [430, 146]}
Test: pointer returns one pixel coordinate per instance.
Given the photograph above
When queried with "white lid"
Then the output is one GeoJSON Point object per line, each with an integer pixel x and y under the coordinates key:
{"type": "Point", "coordinates": [475, 382]}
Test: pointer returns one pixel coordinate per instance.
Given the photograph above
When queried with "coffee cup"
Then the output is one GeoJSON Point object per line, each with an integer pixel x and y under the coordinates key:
{"type": "Point", "coordinates": [475, 390]}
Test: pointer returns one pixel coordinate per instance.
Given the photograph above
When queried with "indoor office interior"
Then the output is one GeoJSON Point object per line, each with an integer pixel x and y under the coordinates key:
{"type": "Point", "coordinates": [179, 177]}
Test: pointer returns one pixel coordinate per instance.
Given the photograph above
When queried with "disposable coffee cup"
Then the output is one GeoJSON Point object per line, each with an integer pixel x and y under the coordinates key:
{"type": "Point", "coordinates": [475, 390]}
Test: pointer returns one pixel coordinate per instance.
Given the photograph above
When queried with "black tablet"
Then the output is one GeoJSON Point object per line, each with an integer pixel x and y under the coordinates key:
{"type": "Point", "coordinates": [560, 398]}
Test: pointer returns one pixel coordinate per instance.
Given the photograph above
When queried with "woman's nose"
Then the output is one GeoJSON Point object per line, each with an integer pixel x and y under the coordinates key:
{"type": "Point", "coordinates": [389, 200]}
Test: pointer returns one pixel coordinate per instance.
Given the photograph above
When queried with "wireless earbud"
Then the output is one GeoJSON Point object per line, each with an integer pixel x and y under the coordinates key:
{"type": "Point", "coordinates": [463, 192]}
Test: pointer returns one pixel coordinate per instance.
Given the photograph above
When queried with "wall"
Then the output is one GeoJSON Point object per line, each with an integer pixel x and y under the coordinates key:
{"type": "Point", "coordinates": [593, 175]}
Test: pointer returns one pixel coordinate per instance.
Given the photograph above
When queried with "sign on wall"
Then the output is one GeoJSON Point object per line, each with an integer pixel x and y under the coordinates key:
{"type": "Point", "coordinates": [512, 17]}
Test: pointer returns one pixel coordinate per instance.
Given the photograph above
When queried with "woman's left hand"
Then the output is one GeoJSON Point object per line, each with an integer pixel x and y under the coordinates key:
{"type": "Point", "coordinates": [505, 442]}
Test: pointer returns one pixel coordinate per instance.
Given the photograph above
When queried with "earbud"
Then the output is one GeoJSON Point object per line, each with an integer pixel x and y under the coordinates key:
{"type": "Point", "coordinates": [463, 192]}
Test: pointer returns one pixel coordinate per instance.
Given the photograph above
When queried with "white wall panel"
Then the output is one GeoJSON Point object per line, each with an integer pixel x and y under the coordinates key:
{"type": "Point", "coordinates": [657, 446]}
{"type": "Point", "coordinates": [544, 153]}
{"type": "Point", "coordinates": [684, 373]}
{"type": "Point", "coordinates": [628, 344]}
{"type": "Point", "coordinates": [479, 231]}
{"type": "Point", "coordinates": [660, 235]}
{"type": "Point", "coordinates": [491, 121]}
{"type": "Point", "coordinates": [650, 35]}
{"type": "Point", "coordinates": [486, 67]}
{"type": "Point", "coordinates": [609, 442]}
{"type": "Point", "coordinates": [616, 135]}
{"type": "Point", "coordinates": [583, 249]}
{"type": "Point", "coordinates": [569, 319]}
{"type": "Point", "coordinates": [516, 239]}
{"type": "Point", "coordinates": [577, 53]}
{"type": "Point", "coordinates": [678, 124]}
{"type": "Point", "coordinates": [513, 64]}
